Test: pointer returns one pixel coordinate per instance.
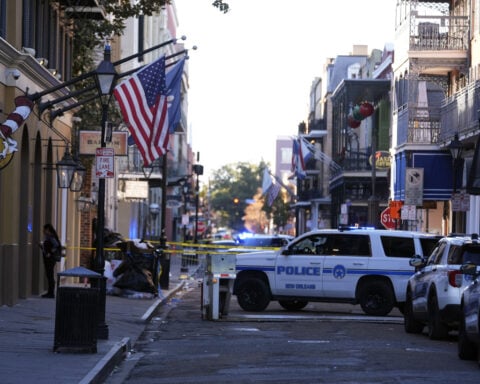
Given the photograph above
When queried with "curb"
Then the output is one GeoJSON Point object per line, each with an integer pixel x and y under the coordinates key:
{"type": "Point", "coordinates": [103, 368]}
{"type": "Point", "coordinates": [120, 350]}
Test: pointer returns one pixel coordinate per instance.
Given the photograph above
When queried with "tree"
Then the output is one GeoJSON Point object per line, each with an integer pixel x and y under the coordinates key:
{"type": "Point", "coordinates": [237, 200]}
{"type": "Point", "coordinates": [90, 33]}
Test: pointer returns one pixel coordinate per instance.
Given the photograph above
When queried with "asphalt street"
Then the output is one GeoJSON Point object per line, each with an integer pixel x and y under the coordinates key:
{"type": "Point", "coordinates": [324, 343]}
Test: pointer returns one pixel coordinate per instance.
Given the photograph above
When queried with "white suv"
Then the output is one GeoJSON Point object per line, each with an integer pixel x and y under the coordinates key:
{"type": "Point", "coordinates": [434, 292]}
{"type": "Point", "coordinates": [362, 266]}
{"type": "Point", "coordinates": [469, 327]}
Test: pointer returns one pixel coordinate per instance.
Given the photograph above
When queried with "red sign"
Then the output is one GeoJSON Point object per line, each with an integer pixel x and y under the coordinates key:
{"type": "Point", "coordinates": [104, 159]}
{"type": "Point", "coordinates": [201, 227]}
{"type": "Point", "coordinates": [386, 219]}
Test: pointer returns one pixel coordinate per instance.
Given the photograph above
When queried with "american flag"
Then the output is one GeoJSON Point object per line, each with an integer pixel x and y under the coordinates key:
{"type": "Point", "coordinates": [302, 152]}
{"type": "Point", "coordinates": [143, 102]}
{"type": "Point", "coordinates": [273, 193]}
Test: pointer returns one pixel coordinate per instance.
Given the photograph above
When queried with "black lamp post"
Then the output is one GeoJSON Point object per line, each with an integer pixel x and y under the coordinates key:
{"type": "Point", "coordinates": [456, 148]}
{"type": "Point", "coordinates": [198, 170]}
{"type": "Point", "coordinates": [185, 188]}
{"type": "Point", "coordinates": [105, 77]}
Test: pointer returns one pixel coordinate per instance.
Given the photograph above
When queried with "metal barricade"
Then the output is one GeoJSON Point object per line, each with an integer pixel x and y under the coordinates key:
{"type": "Point", "coordinates": [217, 285]}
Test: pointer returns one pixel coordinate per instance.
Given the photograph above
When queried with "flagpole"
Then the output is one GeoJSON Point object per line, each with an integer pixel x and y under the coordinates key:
{"type": "Point", "coordinates": [58, 112]}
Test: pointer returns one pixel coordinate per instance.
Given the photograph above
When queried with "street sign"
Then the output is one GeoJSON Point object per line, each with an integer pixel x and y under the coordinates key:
{"type": "Point", "coordinates": [386, 219]}
{"type": "Point", "coordinates": [201, 227]}
{"type": "Point", "coordinates": [104, 161]}
{"type": "Point", "coordinates": [414, 186]}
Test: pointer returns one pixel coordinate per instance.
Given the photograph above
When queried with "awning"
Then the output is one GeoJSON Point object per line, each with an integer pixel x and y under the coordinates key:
{"type": "Point", "coordinates": [437, 174]}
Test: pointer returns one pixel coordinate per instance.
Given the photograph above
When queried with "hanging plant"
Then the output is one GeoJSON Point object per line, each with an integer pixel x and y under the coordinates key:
{"type": "Point", "coordinates": [366, 109]}
{"type": "Point", "coordinates": [356, 113]}
{"type": "Point", "coordinates": [352, 122]}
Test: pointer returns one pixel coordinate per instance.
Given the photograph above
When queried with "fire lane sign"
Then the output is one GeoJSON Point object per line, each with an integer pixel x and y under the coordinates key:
{"type": "Point", "coordinates": [104, 162]}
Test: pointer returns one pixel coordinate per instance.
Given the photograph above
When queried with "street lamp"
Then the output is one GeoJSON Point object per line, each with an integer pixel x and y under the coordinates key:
{"type": "Point", "coordinates": [78, 177]}
{"type": "Point", "coordinates": [456, 148]}
{"type": "Point", "coordinates": [83, 204]}
{"type": "Point", "coordinates": [65, 170]}
{"type": "Point", "coordinates": [105, 77]}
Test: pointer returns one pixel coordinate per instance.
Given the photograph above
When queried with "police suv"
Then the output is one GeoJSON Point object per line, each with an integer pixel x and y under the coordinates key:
{"type": "Point", "coordinates": [469, 327]}
{"type": "Point", "coordinates": [434, 292]}
{"type": "Point", "coordinates": [362, 266]}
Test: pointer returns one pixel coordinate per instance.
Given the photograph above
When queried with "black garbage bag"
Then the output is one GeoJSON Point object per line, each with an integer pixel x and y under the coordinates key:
{"type": "Point", "coordinates": [136, 270]}
{"type": "Point", "coordinates": [136, 279]}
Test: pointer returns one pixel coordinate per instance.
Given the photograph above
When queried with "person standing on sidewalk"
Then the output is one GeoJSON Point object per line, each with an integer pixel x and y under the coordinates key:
{"type": "Point", "coordinates": [52, 252]}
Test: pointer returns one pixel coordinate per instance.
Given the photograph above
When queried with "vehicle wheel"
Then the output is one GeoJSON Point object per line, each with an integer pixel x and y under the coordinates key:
{"type": "Point", "coordinates": [293, 305]}
{"type": "Point", "coordinates": [377, 298]}
{"type": "Point", "coordinates": [436, 329]}
{"type": "Point", "coordinates": [410, 324]}
{"type": "Point", "coordinates": [466, 349]}
{"type": "Point", "coordinates": [253, 294]}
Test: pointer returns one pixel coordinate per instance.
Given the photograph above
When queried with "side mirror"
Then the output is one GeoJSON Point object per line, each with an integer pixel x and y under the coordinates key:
{"type": "Point", "coordinates": [417, 261]}
{"type": "Point", "coordinates": [286, 252]}
{"type": "Point", "coordinates": [469, 269]}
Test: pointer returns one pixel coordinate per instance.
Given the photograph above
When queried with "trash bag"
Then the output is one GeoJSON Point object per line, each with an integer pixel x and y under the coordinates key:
{"type": "Point", "coordinates": [136, 270]}
{"type": "Point", "coordinates": [136, 279]}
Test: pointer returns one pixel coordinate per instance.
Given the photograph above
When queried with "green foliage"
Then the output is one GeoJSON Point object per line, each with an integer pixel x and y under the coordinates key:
{"type": "Point", "coordinates": [92, 33]}
{"type": "Point", "coordinates": [243, 181]}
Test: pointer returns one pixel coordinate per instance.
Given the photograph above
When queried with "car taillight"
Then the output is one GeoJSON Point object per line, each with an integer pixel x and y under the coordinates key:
{"type": "Point", "coordinates": [455, 279]}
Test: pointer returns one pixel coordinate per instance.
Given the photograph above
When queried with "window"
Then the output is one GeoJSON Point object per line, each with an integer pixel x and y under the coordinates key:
{"type": "Point", "coordinates": [471, 255]}
{"type": "Point", "coordinates": [286, 155]}
{"type": "Point", "coordinates": [3, 19]}
{"type": "Point", "coordinates": [395, 246]}
{"type": "Point", "coordinates": [312, 245]}
{"type": "Point", "coordinates": [428, 245]}
{"type": "Point", "coordinates": [436, 256]}
{"type": "Point", "coordinates": [454, 255]}
{"type": "Point", "coordinates": [332, 244]}
{"type": "Point", "coordinates": [350, 245]}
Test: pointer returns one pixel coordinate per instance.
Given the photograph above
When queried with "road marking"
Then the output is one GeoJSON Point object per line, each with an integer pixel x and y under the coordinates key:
{"type": "Point", "coordinates": [309, 341]}
{"type": "Point", "coordinates": [285, 318]}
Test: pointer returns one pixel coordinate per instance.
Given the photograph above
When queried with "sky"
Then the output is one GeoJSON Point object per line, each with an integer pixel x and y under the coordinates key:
{"type": "Point", "coordinates": [251, 74]}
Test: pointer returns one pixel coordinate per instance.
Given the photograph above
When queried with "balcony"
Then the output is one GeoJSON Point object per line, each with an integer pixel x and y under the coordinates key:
{"type": "Point", "coordinates": [439, 33]}
{"type": "Point", "coordinates": [460, 113]}
{"type": "Point", "coordinates": [430, 36]}
{"type": "Point", "coordinates": [309, 194]}
{"type": "Point", "coordinates": [93, 9]}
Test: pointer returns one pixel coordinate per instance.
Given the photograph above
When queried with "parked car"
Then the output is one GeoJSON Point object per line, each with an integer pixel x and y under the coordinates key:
{"type": "Point", "coordinates": [469, 328]}
{"type": "Point", "coordinates": [362, 266]}
{"type": "Point", "coordinates": [434, 292]}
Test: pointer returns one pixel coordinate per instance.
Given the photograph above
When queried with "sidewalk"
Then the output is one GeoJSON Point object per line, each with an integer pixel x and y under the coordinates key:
{"type": "Point", "coordinates": [27, 336]}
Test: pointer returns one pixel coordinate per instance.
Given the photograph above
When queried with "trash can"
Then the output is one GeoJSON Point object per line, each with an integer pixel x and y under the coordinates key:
{"type": "Point", "coordinates": [76, 314]}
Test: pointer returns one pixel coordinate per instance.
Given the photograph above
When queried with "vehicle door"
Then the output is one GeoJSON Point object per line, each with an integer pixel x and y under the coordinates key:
{"type": "Point", "coordinates": [298, 270]}
{"type": "Point", "coordinates": [391, 258]}
{"type": "Point", "coordinates": [421, 280]}
{"type": "Point", "coordinates": [345, 263]}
